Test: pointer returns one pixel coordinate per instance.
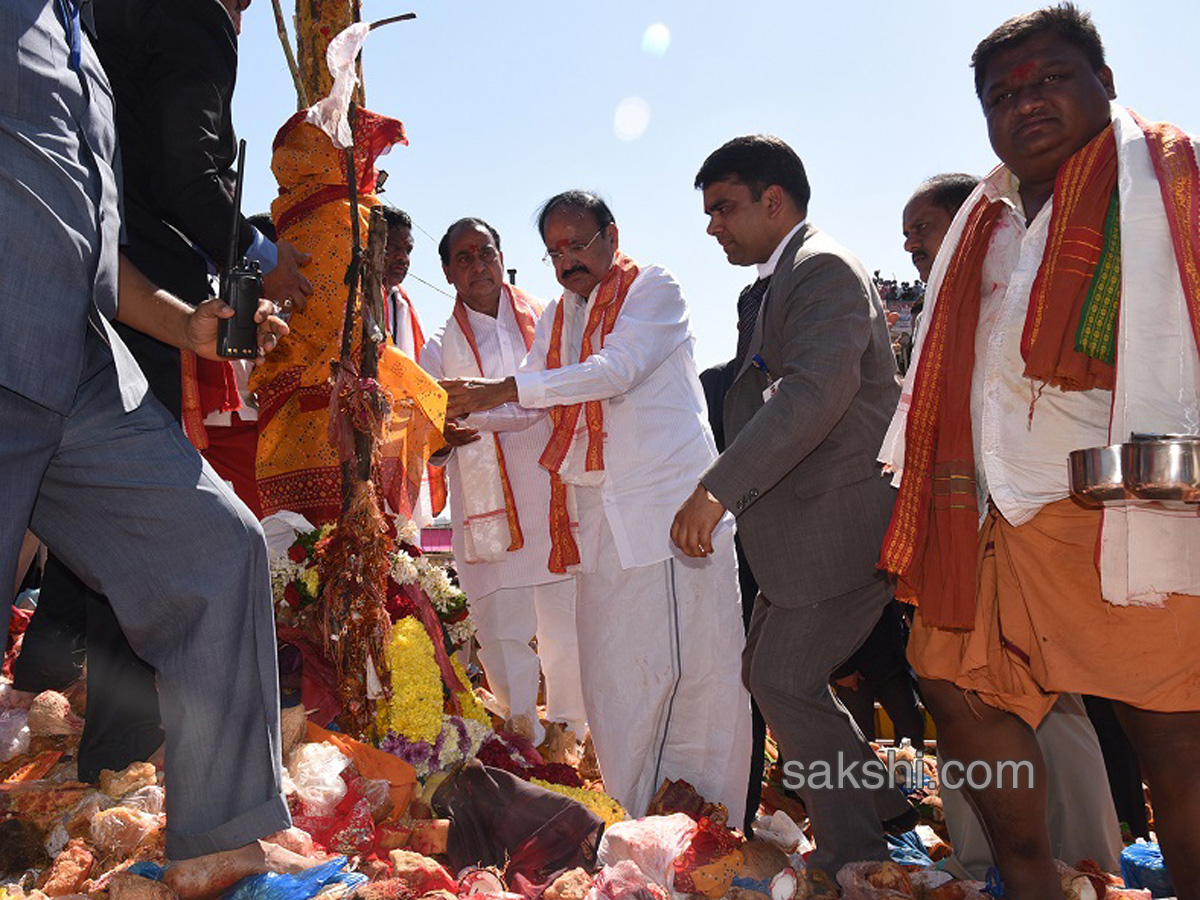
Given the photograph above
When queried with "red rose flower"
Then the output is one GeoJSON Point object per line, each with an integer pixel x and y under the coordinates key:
{"type": "Point", "coordinates": [291, 594]}
{"type": "Point", "coordinates": [297, 553]}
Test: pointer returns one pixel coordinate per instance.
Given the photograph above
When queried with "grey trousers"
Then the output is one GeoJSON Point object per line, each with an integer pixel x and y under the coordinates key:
{"type": "Point", "coordinates": [127, 502]}
{"type": "Point", "coordinates": [790, 654]}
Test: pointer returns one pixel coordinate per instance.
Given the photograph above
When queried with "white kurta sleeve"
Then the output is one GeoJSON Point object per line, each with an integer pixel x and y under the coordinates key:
{"type": "Point", "coordinates": [653, 323]}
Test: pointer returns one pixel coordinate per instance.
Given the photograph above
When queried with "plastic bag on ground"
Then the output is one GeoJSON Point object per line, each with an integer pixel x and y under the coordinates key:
{"type": "Point", "coordinates": [14, 733]}
{"type": "Point", "coordinates": [625, 880]}
{"type": "Point", "coordinates": [1142, 866]}
{"type": "Point", "coordinates": [908, 849]}
{"type": "Point", "coordinates": [316, 775]}
{"type": "Point", "coordinates": [301, 886]}
{"type": "Point", "coordinates": [652, 843]}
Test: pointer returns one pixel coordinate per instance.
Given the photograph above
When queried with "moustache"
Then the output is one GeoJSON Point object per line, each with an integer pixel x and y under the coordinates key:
{"type": "Point", "coordinates": [574, 270]}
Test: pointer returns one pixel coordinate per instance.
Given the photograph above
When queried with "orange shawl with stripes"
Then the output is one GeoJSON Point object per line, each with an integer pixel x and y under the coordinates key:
{"type": "Point", "coordinates": [930, 545]}
{"type": "Point", "coordinates": [610, 298]}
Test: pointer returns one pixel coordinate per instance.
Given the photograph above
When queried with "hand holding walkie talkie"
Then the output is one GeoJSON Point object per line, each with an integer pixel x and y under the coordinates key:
{"type": "Point", "coordinates": [241, 286]}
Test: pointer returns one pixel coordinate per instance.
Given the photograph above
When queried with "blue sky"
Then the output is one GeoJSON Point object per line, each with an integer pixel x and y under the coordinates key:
{"type": "Point", "coordinates": [508, 103]}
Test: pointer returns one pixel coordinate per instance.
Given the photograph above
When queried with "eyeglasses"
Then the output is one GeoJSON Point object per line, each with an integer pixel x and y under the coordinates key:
{"type": "Point", "coordinates": [574, 248]}
{"type": "Point", "coordinates": [487, 255]}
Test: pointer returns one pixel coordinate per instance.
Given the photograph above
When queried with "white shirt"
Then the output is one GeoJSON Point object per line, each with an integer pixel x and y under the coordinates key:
{"type": "Point", "coordinates": [400, 313]}
{"type": "Point", "coordinates": [1021, 462]}
{"type": "Point", "coordinates": [656, 436]}
{"type": "Point", "coordinates": [523, 435]}
{"type": "Point", "coordinates": [767, 269]}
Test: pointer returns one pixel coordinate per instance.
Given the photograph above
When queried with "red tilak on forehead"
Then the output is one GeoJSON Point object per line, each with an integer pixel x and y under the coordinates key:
{"type": "Point", "coordinates": [1023, 70]}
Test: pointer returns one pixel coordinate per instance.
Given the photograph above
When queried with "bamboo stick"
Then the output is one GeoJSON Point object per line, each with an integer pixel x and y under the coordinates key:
{"type": "Point", "coordinates": [281, 30]}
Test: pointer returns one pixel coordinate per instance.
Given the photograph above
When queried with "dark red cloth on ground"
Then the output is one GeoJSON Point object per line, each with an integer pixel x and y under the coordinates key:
{"type": "Point", "coordinates": [497, 818]}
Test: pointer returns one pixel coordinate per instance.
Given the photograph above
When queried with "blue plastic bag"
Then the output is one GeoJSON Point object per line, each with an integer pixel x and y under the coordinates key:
{"type": "Point", "coordinates": [301, 886]}
{"type": "Point", "coordinates": [1142, 866]}
{"type": "Point", "coordinates": [907, 849]}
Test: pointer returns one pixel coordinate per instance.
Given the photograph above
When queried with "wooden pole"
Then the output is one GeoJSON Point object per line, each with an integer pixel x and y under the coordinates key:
{"type": "Point", "coordinates": [297, 81]}
{"type": "Point", "coordinates": [317, 23]}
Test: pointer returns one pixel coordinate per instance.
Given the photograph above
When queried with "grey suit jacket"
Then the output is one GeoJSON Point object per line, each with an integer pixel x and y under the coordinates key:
{"type": "Point", "coordinates": [799, 470]}
{"type": "Point", "coordinates": [60, 221]}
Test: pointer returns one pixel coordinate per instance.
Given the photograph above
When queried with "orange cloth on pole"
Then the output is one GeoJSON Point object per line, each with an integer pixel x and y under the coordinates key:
{"type": "Point", "coordinates": [297, 468]}
{"type": "Point", "coordinates": [372, 763]}
{"type": "Point", "coordinates": [1041, 627]}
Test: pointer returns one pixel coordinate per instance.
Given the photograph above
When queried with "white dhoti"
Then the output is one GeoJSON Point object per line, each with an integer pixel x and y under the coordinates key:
{"type": "Point", "coordinates": [505, 622]}
{"type": "Point", "coordinates": [660, 649]}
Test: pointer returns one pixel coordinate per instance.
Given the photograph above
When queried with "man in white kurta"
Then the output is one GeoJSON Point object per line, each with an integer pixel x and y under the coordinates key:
{"type": "Point", "coordinates": [498, 491]}
{"type": "Point", "coordinates": [660, 634]}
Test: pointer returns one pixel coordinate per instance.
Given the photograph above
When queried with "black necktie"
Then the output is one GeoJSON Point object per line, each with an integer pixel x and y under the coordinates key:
{"type": "Point", "coordinates": [748, 305]}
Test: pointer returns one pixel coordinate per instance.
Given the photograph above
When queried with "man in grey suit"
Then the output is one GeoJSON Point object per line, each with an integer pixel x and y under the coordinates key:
{"type": "Point", "coordinates": [803, 420]}
{"type": "Point", "coordinates": [100, 471]}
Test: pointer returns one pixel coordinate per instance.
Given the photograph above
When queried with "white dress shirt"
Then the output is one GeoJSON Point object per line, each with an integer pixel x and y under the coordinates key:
{"type": "Point", "coordinates": [1023, 431]}
{"type": "Point", "coordinates": [523, 435]}
{"type": "Point", "coordinates": [656, 436]}
{"type": "Point", "coordinates": [767, 269]}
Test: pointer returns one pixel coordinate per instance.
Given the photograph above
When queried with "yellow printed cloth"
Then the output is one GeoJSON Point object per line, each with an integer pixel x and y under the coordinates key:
{"type": "Point", "coordinates": [297, 468]}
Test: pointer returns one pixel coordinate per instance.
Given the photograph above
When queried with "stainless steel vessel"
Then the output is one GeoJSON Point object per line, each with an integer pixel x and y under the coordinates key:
{"type": "Point", "coordinates": [1159, 467]}
{"type": "Point", "coordinates": [1097, 476]}
{"type": "Point", "coordinates": [1165, 468]}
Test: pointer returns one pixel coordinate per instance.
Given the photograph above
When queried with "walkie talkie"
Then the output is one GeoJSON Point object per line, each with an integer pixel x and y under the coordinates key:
{"type": "Point", "coordinates": [241, 285]}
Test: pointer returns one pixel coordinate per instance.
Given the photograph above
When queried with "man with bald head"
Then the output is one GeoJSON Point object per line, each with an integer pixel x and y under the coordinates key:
{"type": "Point", "coordinates": [928, 213]}
{"type": "Point", "coordinates": [499, 493]}
{"type": "Point", "coordinates": [660, 631]}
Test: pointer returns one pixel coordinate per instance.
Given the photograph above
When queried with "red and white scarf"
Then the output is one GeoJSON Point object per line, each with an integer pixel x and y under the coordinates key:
{"type": "Point", "coordinates": [1144, 552]}
{"type": "Point", "coordinates": [491, 526]}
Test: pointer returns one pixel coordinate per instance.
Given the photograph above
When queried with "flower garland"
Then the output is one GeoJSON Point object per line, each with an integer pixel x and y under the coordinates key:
{"type": "Point", "coordinates": [602, 805]}
{"type": "Point", "coordinates": [459, 739]}
{"type": "Point", "coordinates": [468, 701]}
{"type": "Point", "coordinates": [296, 582]}
{"type": "Point", "coordinates": [517, 756]}
{"type": "Point", "coordinates": [415, 707]}
{"type": "Point", "coordinates": [411, 566]}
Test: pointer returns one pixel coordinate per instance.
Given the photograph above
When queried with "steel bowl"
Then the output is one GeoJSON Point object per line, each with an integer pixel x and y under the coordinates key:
{"type": "Point", "coordinates": [1166, 469]}
{"type": "Point", "coordinates": [1097, 474]}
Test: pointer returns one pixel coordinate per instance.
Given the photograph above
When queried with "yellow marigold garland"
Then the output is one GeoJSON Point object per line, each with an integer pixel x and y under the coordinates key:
{"type": "Point", "coordinates": [415, 707]}
{"type": "Point", "coordinates": [602, 805]}
{"type": "Point", "coordinates": [471, 706]}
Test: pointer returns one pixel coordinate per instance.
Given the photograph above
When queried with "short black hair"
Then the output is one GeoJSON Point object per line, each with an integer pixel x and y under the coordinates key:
{"type": "Point", "coordinates": [395, 218]}
{"type": "Point", "coordinates": [758, 161]}
{"type": "Point", "coordinates": [444, 243]}
{"type": "Point", "coordinates": [584, 200]}
{"type": "Point", "coordinates": [948, 191]}
{"type": "Point", "coordinates": [265, 224]}
{"type": "Point", "coordinates": [1066, 20]}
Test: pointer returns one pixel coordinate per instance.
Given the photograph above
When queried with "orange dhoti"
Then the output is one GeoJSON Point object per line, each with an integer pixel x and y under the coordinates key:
{"type": "Point", "coordinates": [297, 467]}
{"type": "Point", "coordinates": [1041, 627]}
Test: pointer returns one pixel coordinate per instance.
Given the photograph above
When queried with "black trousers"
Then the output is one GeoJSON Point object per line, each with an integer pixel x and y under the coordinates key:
{"type": "Point", "coordinates": [72, 622]}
